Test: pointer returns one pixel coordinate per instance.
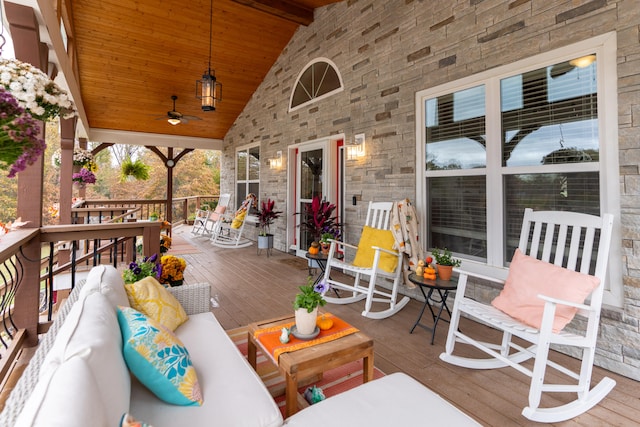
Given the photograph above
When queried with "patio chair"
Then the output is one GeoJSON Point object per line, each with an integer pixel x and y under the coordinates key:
{"type": "Point", "coordinates": [228, 230]}
{"type": "Point", "coordinates": [206, 220]}
{"type": "Point", "coordinates": [374, 258]}
{"type": "Point", "coordinates": [557, 265]}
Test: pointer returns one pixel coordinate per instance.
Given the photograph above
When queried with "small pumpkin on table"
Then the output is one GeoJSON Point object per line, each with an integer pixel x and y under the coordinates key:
{"type": "Point", "coordinates": [324, 323]}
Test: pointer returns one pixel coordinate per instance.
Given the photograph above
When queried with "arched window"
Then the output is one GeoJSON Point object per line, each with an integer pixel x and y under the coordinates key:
{"type": "Point", "coordinates": [319, 79]}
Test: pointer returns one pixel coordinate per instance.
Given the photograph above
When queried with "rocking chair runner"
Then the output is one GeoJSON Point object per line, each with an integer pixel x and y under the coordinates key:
{"type": "Point", "coordinates": [374, 258]}
{"type": "Point", "coordinates": [560, 246]}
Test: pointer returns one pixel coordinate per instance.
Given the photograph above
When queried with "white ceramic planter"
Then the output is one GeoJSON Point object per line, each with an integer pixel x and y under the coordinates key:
{"type": "Point", "coordinates": [305, 321]}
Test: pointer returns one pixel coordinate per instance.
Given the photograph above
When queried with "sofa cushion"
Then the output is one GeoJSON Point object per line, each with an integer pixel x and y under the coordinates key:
{"type": "Point", "coordinates": [91, 333]}
{"type": "Point", "coordinates": [529, 277]}
{"type": "Point", "coordinates": [233, 393]}
{"type": "Point", "coordinates": [158, 359]}
{"type": "Point", "coordinates": [393, 400]}
{"type": "Point", "coordinates": [108, 281]}
{"type": "Point", "coordinates": [68, 397]}
{"type": "Point", "coordinates": [148, 296]}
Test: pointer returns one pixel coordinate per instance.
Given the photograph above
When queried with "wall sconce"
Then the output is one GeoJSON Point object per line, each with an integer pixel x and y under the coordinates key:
{"type": "Point", "coordinates": [276, 162]}
{"type": "Point", "coordinates": [355, 148]}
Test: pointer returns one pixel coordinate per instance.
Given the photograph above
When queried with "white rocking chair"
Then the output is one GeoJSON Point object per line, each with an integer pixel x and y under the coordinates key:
{"type": "Point", "coordinates": [228, 230]}
{"type": "Point", "coordinates": [378, 218]}
{"type": "Point", "coordinates": [565, 239]}
{"type": "Point", "coordinates": [206, 220]}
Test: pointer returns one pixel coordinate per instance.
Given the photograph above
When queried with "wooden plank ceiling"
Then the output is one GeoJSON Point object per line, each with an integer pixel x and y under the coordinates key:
{"type": "Point", "coordinates": [134, 55]}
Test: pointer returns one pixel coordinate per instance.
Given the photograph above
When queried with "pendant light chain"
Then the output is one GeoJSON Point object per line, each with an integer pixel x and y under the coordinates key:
{"type": "Point", "coordinates": [210, 32]}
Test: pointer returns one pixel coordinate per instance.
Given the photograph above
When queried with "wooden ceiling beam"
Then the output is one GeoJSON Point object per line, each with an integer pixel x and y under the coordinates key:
{"type": "Point", "coordinates": [282, 8]}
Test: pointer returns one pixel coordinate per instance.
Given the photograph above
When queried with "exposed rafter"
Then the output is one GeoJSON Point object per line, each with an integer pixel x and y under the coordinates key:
{"type": "Point", "coordinates": [283, 9]}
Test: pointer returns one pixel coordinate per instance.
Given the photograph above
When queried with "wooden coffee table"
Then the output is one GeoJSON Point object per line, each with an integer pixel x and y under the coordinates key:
{"type": "Point", "coordinates": [299, 365]}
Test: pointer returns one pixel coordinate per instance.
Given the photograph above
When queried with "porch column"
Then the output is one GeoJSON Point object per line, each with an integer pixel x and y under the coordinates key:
{"type": "Point", "coordinates": [23, 26]}
{"type": "Point", "coordinates": [67, 137]}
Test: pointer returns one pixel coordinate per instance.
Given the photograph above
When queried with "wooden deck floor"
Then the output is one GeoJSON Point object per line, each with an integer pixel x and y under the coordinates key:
{"type": "Point", "coordinates": [250, 287]}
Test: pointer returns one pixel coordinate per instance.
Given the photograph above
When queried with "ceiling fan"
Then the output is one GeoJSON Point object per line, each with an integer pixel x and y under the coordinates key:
{"type": "Point", "coordinates": [175, 117]}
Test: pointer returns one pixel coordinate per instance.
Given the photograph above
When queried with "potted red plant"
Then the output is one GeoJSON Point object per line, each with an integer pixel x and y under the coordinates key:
{"type": "Point", "coordinates": [266, 216]}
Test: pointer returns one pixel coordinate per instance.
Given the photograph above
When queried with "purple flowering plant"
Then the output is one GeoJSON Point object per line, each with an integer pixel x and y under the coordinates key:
{"type": "Point", "coordinates": [150, 266]}
{"type": "Point", "coordinates": [20, 144]}
{"type": "Point", "coordinates": [85, 176]}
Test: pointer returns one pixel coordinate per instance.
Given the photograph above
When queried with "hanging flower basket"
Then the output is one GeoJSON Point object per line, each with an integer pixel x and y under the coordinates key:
{"type": "Point", "coordinates": [20, 144]}
{"type": "Point", "coordinates": [82, 178]}
{"type": "Point", "coordinates": [134, 169]}
{"type": "Point", "coordinates": [35, 91]}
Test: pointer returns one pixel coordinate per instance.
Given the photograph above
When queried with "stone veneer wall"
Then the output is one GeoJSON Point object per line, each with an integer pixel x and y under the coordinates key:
{"type": "Point", "coordinates": [386, 51]}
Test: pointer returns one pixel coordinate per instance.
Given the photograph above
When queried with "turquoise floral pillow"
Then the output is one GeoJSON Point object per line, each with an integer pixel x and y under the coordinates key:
{"type": "Point", "coordinates": [158, 359]}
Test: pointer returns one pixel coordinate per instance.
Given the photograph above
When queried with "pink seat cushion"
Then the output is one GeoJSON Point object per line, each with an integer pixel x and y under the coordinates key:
{"type": "Point", "coordinates": [219, 211]}
{"type": "Point", "coordinates": [529, 277]}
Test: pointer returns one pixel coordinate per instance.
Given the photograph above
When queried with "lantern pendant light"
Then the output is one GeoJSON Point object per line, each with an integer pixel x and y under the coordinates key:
{"type": "Point", "coordinates": [209, 90]}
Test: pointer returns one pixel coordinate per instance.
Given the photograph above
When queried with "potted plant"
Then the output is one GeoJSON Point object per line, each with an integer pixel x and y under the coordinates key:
{"type": "Point", "coordinates": [317, 216]}
{"type": "Point", "coordinates": [445, 262]}
{"type": "Point", "coordinates": [172, 270]}
{"type": "Point", "coordinates": [266, 216]}
{"type": "Point", "coordinates": [329, 233]}
{"type": "Point", "coordinates": [306, 306]}
{"type": "Point", "coordinates": [150, 266]}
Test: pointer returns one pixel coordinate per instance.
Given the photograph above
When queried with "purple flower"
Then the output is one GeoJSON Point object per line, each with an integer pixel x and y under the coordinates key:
{"type": "Point", "coordinates": [321, 287]}
{"type": "Point", "coordinates": [137, 270]}
{"type": "Point", "coordinates": [153, 258]}
{"type": "Point", "coordinates": [133, 265]}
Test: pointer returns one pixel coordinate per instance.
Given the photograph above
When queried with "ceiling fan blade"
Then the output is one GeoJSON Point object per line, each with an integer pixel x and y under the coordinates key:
{"type": "Point", "coordinates": [191, 117]}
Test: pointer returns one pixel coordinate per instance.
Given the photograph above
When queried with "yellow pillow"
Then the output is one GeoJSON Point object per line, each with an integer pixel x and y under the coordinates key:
{"type": "Point", "coordinates": [148, 296]}
{"type": "Point", "coordinates": [237, 221]}
{"type": "Point", "coordinates": [376, 237]}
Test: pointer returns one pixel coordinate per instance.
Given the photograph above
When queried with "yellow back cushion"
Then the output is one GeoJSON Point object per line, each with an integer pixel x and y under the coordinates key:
{"type": "Point", "coordinates": [148, 296]}
{"type": "Point", "coordinates": [376, 237]}
{"type": "Point", "coordinates": [239, 219]}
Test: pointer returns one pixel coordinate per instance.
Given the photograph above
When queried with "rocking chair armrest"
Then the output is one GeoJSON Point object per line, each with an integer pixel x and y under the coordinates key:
{"type": "Point", "coordinates": [478, 275]}
{"type": "Point", "coordinates": [378, 248]}
{"type": "Point", "coordinates": [556, 301]}
{"type": "Point", "coordinates": [344, 244]}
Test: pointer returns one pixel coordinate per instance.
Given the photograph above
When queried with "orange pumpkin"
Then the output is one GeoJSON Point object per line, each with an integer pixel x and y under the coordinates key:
{"type": "Point", "coordinates": [314, 250]}
{"type": "Point", "coordinates": [324, 323]}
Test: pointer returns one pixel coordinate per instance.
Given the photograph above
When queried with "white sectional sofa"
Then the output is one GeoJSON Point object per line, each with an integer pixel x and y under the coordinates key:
{"type": "Point", "coordinates": [78, 376]}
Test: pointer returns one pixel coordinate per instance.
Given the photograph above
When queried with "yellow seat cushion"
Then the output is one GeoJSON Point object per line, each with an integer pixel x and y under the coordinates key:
{"type": "Point", "coordinates": [148, 296]}
{"type": "Point", "coordinates": [239, 219]}
{"type": "Point", "coordinates": [365, 253]}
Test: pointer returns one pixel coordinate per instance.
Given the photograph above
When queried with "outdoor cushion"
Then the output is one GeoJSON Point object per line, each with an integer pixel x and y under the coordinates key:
{"type": "Point", "coordinates": [234, 394]}
{"type": "Point", "coordinates": [239, 219]}
{"type": "Point", "coordinates": [108, 281]}
{"type": "Point", "coordinates": [365, 253]}
{"type": "Point", "coordinates": [91, 332]}
{"type": "Point", "coordinates": [158, 359]}
{"type": "Point", "coordinates": [529, 277]}
{"type": "Point", "coordinates": [55, 401]}
{"type": "Point", "coordinates": [215, 215]}
{"type": "Point", "coordinates": [151, 298]}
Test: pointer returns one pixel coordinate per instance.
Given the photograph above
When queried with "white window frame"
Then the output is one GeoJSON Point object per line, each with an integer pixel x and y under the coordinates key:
{"type": "Point", "coordinates": [248, 181]}
{"type": "Point", "coordinates": [315, 98]}
{"type": "Point", "coordinates": [605, 47]}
